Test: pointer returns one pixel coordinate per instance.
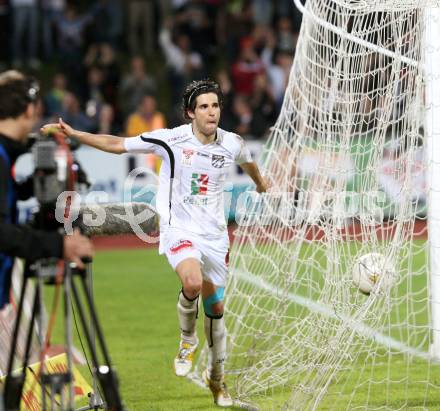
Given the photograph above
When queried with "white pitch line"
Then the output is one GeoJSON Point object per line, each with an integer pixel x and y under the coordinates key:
{"type": "Point", "coordinates": [326, 311]}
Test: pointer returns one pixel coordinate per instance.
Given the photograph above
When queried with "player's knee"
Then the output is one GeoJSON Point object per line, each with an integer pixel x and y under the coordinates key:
{"type": "Point", "coordinates": [217, 308]}
{"type": "Point", "coordinates": [213, 304]}
{"type": "Point", "coordinates": [192, 286]}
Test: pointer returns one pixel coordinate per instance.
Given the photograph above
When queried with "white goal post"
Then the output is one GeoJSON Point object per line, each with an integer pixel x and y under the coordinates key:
{"type": "Point", "coordinates": [432, 127]}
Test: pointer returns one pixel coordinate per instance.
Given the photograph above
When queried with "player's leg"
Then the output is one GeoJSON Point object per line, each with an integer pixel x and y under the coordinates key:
{"type": "Point", "coordinates": [190, 275]}
{"type": "Point", "coordinates": [215, 271]}
{"type": "Point", "coordinates": [185, 259]}
{"type": "Point", "coordinates": [215, 332]}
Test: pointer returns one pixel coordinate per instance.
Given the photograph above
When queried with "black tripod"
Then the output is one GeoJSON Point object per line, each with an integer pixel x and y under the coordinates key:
{"type": "Point", "coordinates": [52, 385]}
{"type": "Point", "coordinates": [95, 400]}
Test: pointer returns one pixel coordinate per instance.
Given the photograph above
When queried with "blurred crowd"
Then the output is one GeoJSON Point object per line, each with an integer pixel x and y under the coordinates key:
{"type": "Point", "coordinates": [120, 66]}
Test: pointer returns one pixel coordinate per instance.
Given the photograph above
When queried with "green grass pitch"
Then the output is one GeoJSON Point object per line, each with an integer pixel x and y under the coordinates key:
{"type": "Point", "coordinates": [136, 295]}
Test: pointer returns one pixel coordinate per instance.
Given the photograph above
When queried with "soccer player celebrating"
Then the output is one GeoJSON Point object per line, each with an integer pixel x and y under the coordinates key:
{"type": "Point", "coordinates": [193, 232]}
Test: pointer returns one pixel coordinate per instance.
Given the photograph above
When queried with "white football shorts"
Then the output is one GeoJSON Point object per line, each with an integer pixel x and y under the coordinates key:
{"type": "Point", "coordinates": [211, 251]}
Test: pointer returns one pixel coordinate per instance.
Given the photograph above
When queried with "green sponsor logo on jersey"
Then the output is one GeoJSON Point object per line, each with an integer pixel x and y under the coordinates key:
{"type": "Point", "coordinates": [199, 184]}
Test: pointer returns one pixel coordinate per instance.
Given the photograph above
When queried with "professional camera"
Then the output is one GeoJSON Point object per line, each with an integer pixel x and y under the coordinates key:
{"type": "Point", "coordinates": [56, 171]}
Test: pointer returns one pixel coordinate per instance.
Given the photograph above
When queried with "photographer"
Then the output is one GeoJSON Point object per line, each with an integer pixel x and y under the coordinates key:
{"type": "Point", "coordinates": [17, 116]}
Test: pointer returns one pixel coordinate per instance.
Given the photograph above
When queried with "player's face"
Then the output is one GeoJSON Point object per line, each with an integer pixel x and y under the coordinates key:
{"type": "Point", "coordinates": [206, 114]}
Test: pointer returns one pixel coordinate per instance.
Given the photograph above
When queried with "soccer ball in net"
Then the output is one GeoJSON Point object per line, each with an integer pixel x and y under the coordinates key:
{"type": "Point", "coordinates": [372, 271]}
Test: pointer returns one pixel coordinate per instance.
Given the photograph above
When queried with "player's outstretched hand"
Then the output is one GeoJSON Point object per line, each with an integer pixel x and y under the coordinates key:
{"type": "Point", "coordinates": [76, 247]}
{"type": "Point", "coordinates": [60, 127]}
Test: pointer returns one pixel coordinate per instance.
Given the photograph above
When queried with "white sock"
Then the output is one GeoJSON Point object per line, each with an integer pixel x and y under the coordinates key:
{"type": "Point", "coordinates": [215, 332]}
{"type": "Point", "coordinates": [187, 311]}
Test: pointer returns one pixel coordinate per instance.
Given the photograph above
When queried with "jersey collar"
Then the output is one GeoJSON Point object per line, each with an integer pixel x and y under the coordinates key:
{"type": "Point", "coordinates": [218, 137]}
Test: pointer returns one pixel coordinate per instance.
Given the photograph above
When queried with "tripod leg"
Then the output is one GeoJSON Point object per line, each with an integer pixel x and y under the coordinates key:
{"type": "Point", "coordinates": [106, 376]}
{"type": "Point", "coordinates": [36, 310]}
{"type": "Point", "coordinates": [96, 324]}
{"type": "Point", "coordinates": [14, 383]}
{"type": "Point", "coordinates": [95, 402]}
{"type": "Point", "coordinates": [17, 326]}
{"type": "Point", "coordinates": [68, 330]}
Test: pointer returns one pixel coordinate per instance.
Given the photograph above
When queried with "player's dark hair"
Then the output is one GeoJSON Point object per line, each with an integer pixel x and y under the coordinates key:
{"type": "Point", "coordinates": [195, 89]}
{"type": "Point", "coordinates": [16, 92]}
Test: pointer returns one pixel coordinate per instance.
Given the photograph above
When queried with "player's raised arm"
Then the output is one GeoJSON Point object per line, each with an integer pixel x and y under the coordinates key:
{"type": "Point", "coordinates": [108, 143]}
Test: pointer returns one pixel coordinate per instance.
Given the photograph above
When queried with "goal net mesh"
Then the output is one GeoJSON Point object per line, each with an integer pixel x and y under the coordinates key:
{"type": "Point", "coordinates": [346, 160]}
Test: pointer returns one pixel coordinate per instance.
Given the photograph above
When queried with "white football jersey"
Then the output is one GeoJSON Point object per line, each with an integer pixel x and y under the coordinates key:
{"type": "Point", "coordinates": [192, 176]}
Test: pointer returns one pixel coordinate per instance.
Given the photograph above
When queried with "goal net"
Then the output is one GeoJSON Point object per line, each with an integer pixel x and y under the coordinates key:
{"type": "Point", "coordinates": [347, 160]}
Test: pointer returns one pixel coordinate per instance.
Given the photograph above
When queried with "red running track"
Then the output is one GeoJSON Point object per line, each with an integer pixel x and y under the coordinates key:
{"type": "Point", "coordinates": [312, 233]}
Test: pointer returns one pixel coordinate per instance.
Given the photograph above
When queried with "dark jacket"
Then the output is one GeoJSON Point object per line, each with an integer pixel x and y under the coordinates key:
{"type": "Point", "coordinates": [18, 240]}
